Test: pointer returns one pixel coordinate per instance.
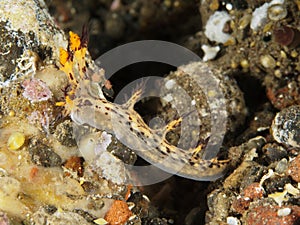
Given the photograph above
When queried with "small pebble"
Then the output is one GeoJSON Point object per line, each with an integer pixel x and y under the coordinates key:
{"type": "Point", "coordinates": [43, 155]}
{"type": "Point", "coordinates": [214, 27]}
{"type": "Point", "coordinates": [277, 12]}
{"type": "Point", "coordinates": [244, 64]}
{"type": "Point", "coordinates": [284, 212]}
{"type": "Point", "coordinates": [283, 54]}
{"type": "Point", "coordinates": [276, 184]}
{"type": "Point", "coordinates": [50, 209]}
{"type": "Point", "coordinates": [277, 73]}
{"type": "Point", "coordinates": [11, 113]}
{"type": "Point", "coordinates": [119, 213]}
{"type": "Point", "coordinates": [244, 21]}
{"type": "Point", "coordinates": [214, 5]}
{"type": "Point", "coordinates": [285, 126]}
{"type": "Point", "coordinates": [229, 7]}
{"type": "Point", "coordinates": [294, 53]}
{"type": "Point", "coordinates": [234, 65]}
{"type": "Point", "coordinates": [291, 189]}
{"type": "Point", "coordinates": [64, 133]}
{"type": "Point", "coordinates": [281, 166]}
{"type": "Point", "coordinates": [210, 52]}
{"type": "Point", "coordinates": [232, 220]}
{"type": "Point", "coordinates": [274, 152]}
{"type": "Point", "coordinates": [100, 221]}
{"type": "Point", "coordinates": [268, 61]}
{"type": "Point", "coordinates": [16, 141]}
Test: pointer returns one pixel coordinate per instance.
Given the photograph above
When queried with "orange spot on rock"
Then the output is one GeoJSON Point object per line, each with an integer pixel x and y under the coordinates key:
{"type": "Point", "coordinates": [127, 195]}
{"type": "Point", "coordinates": [241, 204]}
{"type": "Point", "coordinates": [251, 192]}
{"type": "Point", "coordinates": [33, 172]}
{"type": "Point", "coordinates": [269, 215]}
{"type": "Point", "coordinates": [254, 191]}
{"type": "Point", "coordinates": [118, 214]}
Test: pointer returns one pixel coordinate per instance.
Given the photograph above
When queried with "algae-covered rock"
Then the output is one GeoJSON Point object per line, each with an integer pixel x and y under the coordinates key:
{"type": "Point", "coordinates": [28, 38]}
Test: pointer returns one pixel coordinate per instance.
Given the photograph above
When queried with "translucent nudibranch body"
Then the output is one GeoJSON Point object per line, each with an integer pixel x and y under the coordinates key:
{"type": "Point", "coordinates": [126, 124]}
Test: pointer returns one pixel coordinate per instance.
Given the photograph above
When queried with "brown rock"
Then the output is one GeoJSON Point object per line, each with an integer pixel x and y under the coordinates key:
{"type": "Point", "coordinates": [294, 170]}
{"type": "Point", "coordinates": [271, 215]}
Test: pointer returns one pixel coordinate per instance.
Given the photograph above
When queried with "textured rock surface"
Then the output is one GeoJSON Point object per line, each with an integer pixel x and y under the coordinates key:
{"type": "Point", "coordinates": [28, 38]}
{"type": "Point", "coordinates": [285, 126]}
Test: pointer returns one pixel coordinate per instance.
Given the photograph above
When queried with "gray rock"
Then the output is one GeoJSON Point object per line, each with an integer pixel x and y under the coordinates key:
{"type": "Point", "coordinates": [286, 126]}
{"type": "Point", "coordinates": [42, 155]}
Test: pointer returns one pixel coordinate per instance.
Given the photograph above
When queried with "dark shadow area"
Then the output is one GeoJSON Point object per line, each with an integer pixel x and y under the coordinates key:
{"type": "Point", "coordinates": [254, 92]}
{"type": "Point", "coordinates": [139, 70]}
